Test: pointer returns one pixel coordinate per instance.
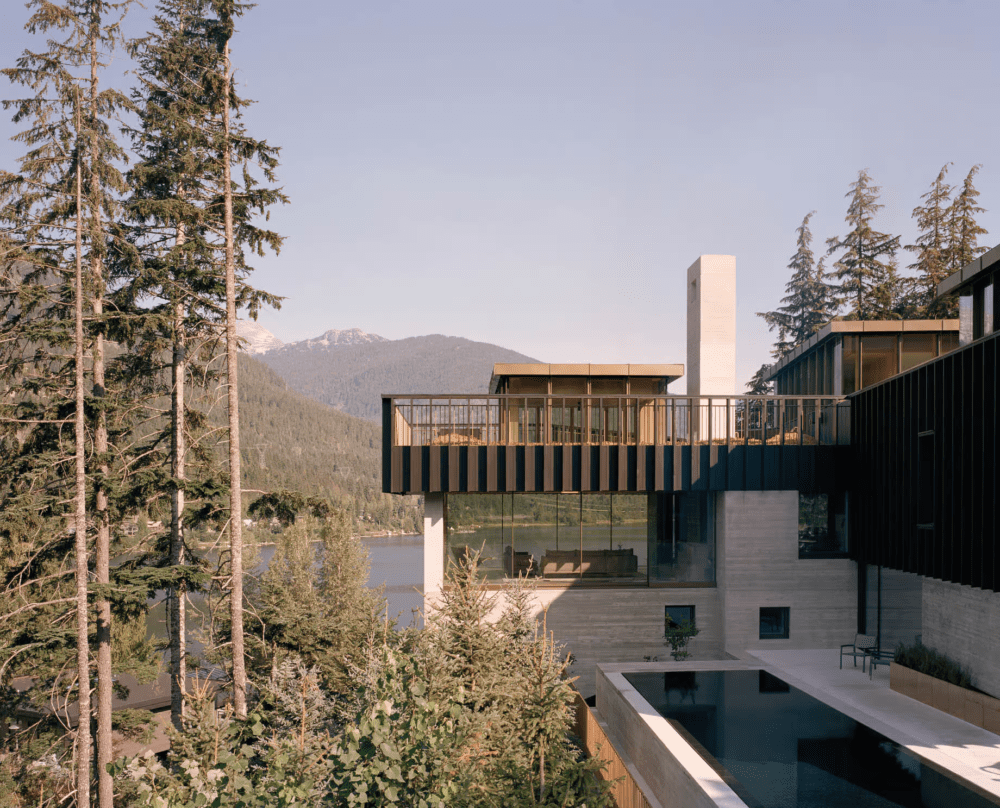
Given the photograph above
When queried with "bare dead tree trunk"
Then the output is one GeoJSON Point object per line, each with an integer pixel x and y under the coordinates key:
{"type": "Point", "coordinates": [83, 747]}
{"type": "Point", "coordinates": [178, 449]}
{"type": "Point", "coordinates": [105, 741]}
{"type": "Point", "coordinates": [235, 478]}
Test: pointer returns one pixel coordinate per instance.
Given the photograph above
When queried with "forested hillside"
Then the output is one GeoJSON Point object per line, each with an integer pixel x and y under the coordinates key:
{"type": "Point", "coordinates": [353, 378]}
{"type": "Point", "coordinates": [292, 442]}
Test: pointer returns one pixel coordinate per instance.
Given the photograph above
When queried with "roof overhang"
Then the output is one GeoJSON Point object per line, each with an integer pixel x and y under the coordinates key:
{"type": "Point", "coordinates": [667, 373]}
{"type": "Point", "coordinates": [959, 280]}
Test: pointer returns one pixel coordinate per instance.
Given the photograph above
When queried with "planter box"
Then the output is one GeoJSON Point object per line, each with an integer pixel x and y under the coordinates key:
{"type": "Point", "coordinates": [976, 708]}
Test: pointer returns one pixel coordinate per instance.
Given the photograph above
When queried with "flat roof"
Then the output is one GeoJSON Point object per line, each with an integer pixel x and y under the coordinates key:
{"type": "Point", "coordinates": [963, 277]}
{"type": "Point", "coordinates": [861, 327]}
{"type": "Point", "coordinates": [669, 373]}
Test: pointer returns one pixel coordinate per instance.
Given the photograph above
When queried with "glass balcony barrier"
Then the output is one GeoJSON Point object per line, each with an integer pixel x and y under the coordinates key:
{"type": "Point", "coordinates": [506, 420]}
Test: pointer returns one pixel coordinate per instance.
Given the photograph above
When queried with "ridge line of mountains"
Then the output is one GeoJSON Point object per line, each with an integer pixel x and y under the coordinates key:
{"type": "Point", "coordinates": [350, 369]}
{"type": "Point", "coordinates": [311, 411]}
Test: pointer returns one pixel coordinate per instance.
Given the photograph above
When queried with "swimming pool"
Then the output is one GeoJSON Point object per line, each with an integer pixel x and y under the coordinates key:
{"type": "Point", "coordinates": [778, 747]}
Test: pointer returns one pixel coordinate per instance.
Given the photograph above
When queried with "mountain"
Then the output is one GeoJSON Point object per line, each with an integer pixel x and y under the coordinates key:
{"type": "Point", "coordinates": [352, 375]}
{"type": "Point", "coordinates": [256, 338]}
{"type": "Point", "coordinates": [333, 337]}
{"type": "Point", "coordinates": [288, 441]}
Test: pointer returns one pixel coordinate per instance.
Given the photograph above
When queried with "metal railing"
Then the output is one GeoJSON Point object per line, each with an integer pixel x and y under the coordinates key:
{"type": "Point", "coordinates": [508, 420]}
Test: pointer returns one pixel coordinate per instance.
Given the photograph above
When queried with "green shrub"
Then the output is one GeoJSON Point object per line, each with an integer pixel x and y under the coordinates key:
{"type": "Point", "coordinates": [920, 658]}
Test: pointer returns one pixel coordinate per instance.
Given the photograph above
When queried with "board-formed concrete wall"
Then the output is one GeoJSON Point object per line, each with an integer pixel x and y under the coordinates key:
{"type": "Point", "coordinates": [900, 604]}
{"type": "Point", "coordinates": [758, 565]}
{"type": "Point", "coordinates": [623, 625]}
{"type": "Point", "coordinates": [962, 623]}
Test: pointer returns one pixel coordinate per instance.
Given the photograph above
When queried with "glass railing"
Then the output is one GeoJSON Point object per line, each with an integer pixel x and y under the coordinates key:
{"type": "Point", "coordinates": [619, 420]}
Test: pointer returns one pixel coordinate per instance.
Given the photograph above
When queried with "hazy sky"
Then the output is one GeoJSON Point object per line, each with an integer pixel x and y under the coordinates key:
{"type": "Point", "coordinates": [541, 174]}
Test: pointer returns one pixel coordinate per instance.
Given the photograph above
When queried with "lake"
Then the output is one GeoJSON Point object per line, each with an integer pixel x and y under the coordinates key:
{"type": "Point", "coordinates": [397, 562]}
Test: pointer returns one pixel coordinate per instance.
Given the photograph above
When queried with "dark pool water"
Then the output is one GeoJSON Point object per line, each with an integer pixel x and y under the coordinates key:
{"type": "Point", "coordinates": [778, 747]}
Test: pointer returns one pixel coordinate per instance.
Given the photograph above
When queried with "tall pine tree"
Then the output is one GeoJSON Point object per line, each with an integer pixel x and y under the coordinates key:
{"type": "Point", "coordinates": [809, 300]}
{"type": "Point", "coordinates": [172, 267]}
{"type": "Point", "coordinates": [869, 282]}
{"type": "Point", "coordinates": [69, 175]}
{"type": "Point", "coordinates": [240, 203]}
{"type": "Point", "coordinates": [963, 229]}
{"type": "Point", "coordinates": [932, 246]}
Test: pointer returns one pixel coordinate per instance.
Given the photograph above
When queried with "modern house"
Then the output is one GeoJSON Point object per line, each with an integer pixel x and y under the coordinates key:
{"type": "Point", "coordinates": [859, 498]}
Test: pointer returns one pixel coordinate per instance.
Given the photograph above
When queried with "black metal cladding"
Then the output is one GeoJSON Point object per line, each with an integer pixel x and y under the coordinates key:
{"type": "Point", "coordinates": [923, 481]}
{"type": "Point", "coordinates": [810, 469]}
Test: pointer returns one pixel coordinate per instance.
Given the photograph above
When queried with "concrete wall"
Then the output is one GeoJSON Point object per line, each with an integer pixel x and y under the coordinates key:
{"type": "Point", "coordinates": [759, 565]}
{"type": "Point", "coordinates": [962, 623]}
{"type": "Point", "coordinates": [711, 326]}
{"type": "Point", "coordinates": [623, 625]}
{"type": "Point", "coordinates": [901, 606]}
{"type": "Point", "coordinates": [674, 773]}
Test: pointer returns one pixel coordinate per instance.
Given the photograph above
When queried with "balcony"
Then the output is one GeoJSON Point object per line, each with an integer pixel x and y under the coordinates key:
{"type": "Point", "coordinates": [601, 443]}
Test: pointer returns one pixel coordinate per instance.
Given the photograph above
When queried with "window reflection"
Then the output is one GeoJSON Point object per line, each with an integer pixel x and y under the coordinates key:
{"type": "Point", "coordinates": [682, 538]}
{"type": "Point", "coordinates": [850, 364]}
{"type": "Point", "coordinates": [568, 538]}
{"type": "Point", "coordinates": [878, 358]}
{"type": "Point", "coordinates": [915, 349]}
{"type": "Point", "coordinates": [823, 525]}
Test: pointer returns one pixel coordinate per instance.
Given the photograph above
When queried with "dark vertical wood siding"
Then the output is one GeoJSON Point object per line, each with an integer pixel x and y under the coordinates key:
{"type": "Point", "coordinates": [951, 405]}
{"type": "Point", "coordinates": [422, 469]}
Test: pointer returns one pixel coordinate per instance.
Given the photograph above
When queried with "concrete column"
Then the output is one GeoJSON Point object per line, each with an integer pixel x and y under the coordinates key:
{"type": "Point", "coordinates": [711, 323]}
{"type": "Point", "coordinates": [711, 342]}
{"type": "Point", "coordinates": [434, 527]}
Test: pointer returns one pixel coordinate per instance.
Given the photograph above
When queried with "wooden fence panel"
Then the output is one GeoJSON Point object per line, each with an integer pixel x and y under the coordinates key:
{"type": "Point", "coordinates": [624, 789]}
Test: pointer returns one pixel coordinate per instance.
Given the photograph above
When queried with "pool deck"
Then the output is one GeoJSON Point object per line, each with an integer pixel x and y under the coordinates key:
{"type": "Point", "coordinates": [941, 739]}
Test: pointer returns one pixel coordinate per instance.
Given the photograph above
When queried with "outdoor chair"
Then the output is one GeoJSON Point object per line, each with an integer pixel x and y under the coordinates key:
{"type": "Point", "coordinates": [879, 658]}
{"type": "Point", "coordinates": [863, 646]}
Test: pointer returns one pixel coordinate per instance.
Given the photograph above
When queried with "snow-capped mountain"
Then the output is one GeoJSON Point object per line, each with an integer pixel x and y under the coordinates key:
{"type": "Point", "coordinates": [347, 336]}
{"type": "Point", "coordinates": [257, 339]}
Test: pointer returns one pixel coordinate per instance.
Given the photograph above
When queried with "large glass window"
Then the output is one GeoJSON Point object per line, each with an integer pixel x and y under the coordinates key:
{"type": "Point", "coordinates": [947, 343]}
{"type": "Point", "coordinates": [850, 365]}
{"type": "Point", "coordinates": [569, 385]}
{"type": "Point", "coordinates": [915, 349]}
{"type": "Point", "coordinates": [556, 537]}
{"type": "Point", "coordinates": [878, 358]}
{"type": "Point", "coordinates": [823, 525]}
{"type": "Point", "coordinates": [682, 538]}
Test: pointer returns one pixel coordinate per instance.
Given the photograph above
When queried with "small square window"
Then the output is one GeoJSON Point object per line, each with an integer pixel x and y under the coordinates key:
{"type": "Point", "coordinates": [675, 615]}
{"type": "Point", "coordinates": [774, 622]}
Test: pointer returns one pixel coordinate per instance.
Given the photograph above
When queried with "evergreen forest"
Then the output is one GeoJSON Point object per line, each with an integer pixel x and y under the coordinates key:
{"type": "Point", "coordinates": [136, 446]}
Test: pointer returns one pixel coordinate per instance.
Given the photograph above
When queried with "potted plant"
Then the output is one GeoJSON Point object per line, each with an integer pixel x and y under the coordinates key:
{"type": "Point", "coordinates": [677, 636]}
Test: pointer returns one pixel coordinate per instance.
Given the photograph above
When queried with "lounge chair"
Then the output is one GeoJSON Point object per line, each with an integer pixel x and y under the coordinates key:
{"type": "Point", "coordinates": [863, 646]}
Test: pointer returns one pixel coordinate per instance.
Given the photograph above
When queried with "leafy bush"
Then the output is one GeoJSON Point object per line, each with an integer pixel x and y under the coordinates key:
{"type": "Point", "coordinates": [922, 659]}
{"type": "Point", "coordinates": [677, 636]}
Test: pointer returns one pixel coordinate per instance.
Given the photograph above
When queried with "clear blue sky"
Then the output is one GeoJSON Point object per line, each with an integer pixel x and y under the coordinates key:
{"type": "Point", "coordinates": [540, 174]}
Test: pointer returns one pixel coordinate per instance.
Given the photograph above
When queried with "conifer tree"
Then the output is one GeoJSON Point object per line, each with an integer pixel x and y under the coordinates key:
{"type": "Point", "coordinates": [963, 229]}
{"type": "Point", "coordinates": [38, 209]}
{"type": "Point", "coordinates": [173, 259]}
{"type": "Point", "coordinates": [932, 245]}
{"type": "Point", "coordinates": [809, 299]}
{"type": "Point", "coordinates": [759, 385]}
{"type": "Point", "coordinates": [867, 271]}
{"type": "Point", "coordinates": [239, 205]}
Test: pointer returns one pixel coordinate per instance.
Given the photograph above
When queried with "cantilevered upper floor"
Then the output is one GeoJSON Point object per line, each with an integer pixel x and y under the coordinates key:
{"type": "Point", "coordinates": [846, 356]}
{"type": "Point", "coordinates": [608, 428]}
